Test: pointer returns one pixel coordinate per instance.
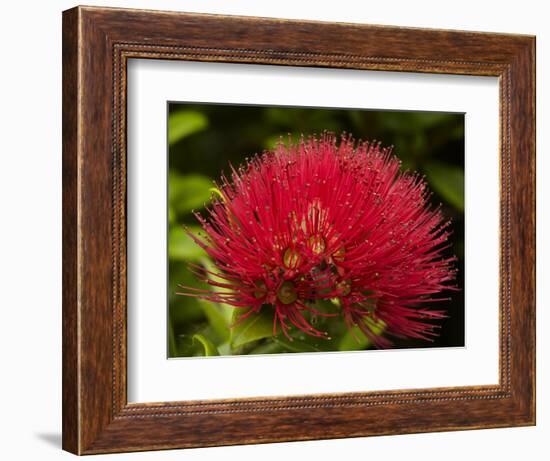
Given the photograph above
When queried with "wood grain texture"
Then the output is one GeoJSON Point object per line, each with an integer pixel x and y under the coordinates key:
{"type": "Point", "coordinates": [97, 43]}
{"type": "Point", "coordinates": [70, 383]}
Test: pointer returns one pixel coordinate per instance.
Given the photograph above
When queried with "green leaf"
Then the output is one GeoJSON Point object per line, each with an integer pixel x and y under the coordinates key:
{"type": "Point", "coordinates": [216, 319]}
{"type": "Point", "coordinates": [184, 123]}
{"type": "Point", "coordinates": [412, 122]}
{"type": "Point", "coordinates": [430, 119]}
{"type": "Point", "coordinates": [268, 347]}
{"type": "Point", "coordinates": [189, 192]}
{"type": "Point", "coordinates": [224, 348]}
{"type": "Point", "coordinates": [255, 326]}
{"type": "Point", "coordinates": [171, 215]}
{"type": "Point", "coordinates": [182, 247]}
{"type": "Point", "coordinates": [271, 142]}
{"type": "Point", "coordinates": [217, 192]}
{"type": "Point", "coordinates": [184, 310]}
{"type": "Point", "coordinates": [298, 345]}
{"type": "Point", "coordinates": [447, 181]}
{"type": "Point", "coordinates": [227, 311]}
{"type": "Point", "coordinates": [355, 339]}
{"type": "Point", "coordinates": [172, 345]}
{"type": "Point", "coordinates": [208, 348]}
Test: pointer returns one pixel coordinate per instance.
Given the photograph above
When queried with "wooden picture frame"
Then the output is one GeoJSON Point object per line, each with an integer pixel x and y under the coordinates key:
{"type": "Point", "coordinates": [97, 43]}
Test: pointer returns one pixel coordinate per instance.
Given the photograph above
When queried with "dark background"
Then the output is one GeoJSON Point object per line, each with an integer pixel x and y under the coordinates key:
{"type": "Point", "coordinates": [205, 138]}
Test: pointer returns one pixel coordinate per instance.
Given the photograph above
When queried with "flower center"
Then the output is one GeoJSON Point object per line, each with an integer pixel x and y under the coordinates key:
{"type": "Point", "coordinates": [369, 305]}
{"type": "Point", "coordinates": [317, 244]}
{"type": "Point", "coordinates": [287, 293]}
{"type": "Point", "coordinates": [291, 258]}
{"type": "Point", "coordinates": [260, 289]}
{"type": "Point", "coordinates": [339, 254]}
{"type": "Point", "coordinates": [344, 287]}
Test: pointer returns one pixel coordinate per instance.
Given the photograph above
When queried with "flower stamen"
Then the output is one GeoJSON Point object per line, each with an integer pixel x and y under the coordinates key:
{"type": "Point", "coordinates": [316, 244]}
{"type": "Point", "coordinates": [287, 293]}
{"type": "Point", "coordinates": [260, 290]}
{"type": "Point", "coordinates": [344, 287]}
{"type": "Point", "coordinates": [339, 254]}
{"type": "Point", "coordinates": [291, 258]}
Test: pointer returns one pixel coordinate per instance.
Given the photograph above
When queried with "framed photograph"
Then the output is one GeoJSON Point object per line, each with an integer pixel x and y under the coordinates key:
{"type": "Point", "coordinates": [280, 230]}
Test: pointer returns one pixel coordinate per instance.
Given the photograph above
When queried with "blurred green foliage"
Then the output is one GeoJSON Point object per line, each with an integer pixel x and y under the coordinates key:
{"type": "Point", "coordinates": [204, 139]}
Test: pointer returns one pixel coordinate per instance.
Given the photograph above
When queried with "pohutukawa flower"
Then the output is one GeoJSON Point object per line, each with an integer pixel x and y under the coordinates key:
{"type": "Point", "coordinates": [324, 219]}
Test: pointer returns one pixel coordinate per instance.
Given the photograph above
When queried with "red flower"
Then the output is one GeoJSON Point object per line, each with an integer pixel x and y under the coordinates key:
{"type": "Point", "coordinates": [322, 220]}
